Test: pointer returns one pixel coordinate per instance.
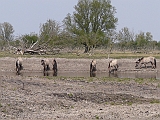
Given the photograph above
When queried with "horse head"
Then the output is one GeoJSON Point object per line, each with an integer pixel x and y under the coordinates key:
{"type": "Point", "coordinates": [45, 64]}
{"type": "Point", "coordinates": [42, 62]}
{"type": "Point", "coordinates": [93, 66]}
{"type": "Point", "coordinates": [109, 65]}
{"type": "Point", "coordinates": [138, 61]}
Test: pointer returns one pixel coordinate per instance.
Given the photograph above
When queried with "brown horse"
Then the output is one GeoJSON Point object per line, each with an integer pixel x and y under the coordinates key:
{"type": "Point", "coordinates": [146, 60]}
{"type": "Point", "coordinates": [113, 65]}
{"type": "Point", "coordinates": [19, 66]}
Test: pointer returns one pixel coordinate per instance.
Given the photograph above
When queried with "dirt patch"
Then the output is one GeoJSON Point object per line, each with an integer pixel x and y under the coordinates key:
{"type": "Point", "coordinates": [73, 98]}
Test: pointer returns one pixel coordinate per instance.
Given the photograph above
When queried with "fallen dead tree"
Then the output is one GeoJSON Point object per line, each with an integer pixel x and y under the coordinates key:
{"type": "Point", "coordinates": [29, 51]}
{"type": "Point", "coordinates": [38, 47]}
{"type": "Point", "coordinates": [38, 52]}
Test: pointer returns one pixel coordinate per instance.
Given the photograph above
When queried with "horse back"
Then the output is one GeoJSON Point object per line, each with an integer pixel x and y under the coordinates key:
{"type": "Point", "coordinates": [113, 62]}
{"type": "Point", "coordinates": [148, 59]}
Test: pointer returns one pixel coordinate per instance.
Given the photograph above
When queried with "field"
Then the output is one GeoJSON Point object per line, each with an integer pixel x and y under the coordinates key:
{"type": "Point", "coordinates": [76, 98]}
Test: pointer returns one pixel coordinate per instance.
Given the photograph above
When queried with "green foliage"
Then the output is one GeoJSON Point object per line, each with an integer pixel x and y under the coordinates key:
{"type": "Point", "coordinates": [139, 80]}
{"type": "Point", "coordinates": [90, 21]}
{"type": "Point", "coordinates": [6, 35]}
{"type": "Point", "coordinates": [125, 38]}
{"type": "Point", "coordinates": [52, 35]}
{"type": "Point", "coordinates": [154, 101]}
{"type": "Point", "coordinates": [97, 117]}
{"type": "Point", "coordinates": [70, 95]}
{"type": "Point", "coordinates": [49, 32]}
{"type": "Point", "coordinates": [29, 39]}
{"type": "Point", "coordinates": [1, 105]}
{"type": "Point", "coordinates": [141, 41]}
{"type": "Point", "coordinates": [6, 31]}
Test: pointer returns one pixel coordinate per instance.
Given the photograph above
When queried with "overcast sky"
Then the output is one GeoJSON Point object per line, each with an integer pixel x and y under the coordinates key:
{"type": "Point", "coordinates": [26, 15]}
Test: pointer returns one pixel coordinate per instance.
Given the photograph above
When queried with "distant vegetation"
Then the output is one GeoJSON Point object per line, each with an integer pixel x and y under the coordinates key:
{"type": "Point", "coordinates": [91, 27]}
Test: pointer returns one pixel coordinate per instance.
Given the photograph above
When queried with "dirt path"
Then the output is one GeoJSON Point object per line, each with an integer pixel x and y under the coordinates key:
{"type": "Point", "coordinates": [40, 98]}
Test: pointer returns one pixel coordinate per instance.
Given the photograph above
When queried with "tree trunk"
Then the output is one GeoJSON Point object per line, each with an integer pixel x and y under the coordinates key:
{"type": "Point", "coordinates": [86, 49]}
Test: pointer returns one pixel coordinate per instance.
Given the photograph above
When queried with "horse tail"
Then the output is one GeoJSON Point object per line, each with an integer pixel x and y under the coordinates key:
{"type": "Point", "coordinates": [48, 68]}
{"type": "Point", "coordinates": [109, 65]}
{"type": "Point", "coordinates": [155, 62]}
{"type": "Point", "coordinates": [117, 66]}
{"type": "Point", "coordinates": [91, 67]}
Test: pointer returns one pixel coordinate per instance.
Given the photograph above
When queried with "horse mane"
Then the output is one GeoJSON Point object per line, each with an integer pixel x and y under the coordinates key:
{"type": "Point", "coordinates": [141, 58]}
{"type": "Point", "coordinates": [109, 64]}
{"type": "Point", "coordinates": [93, 62]}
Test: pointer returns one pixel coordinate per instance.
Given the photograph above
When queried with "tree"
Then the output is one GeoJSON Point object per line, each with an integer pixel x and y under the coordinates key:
{"type": "Point", "coordinates": [110, 39]}
{"type": "Point", "coordinates": [6, 35]}
{"type": "Point", "coordinates": [125, 39]}
{"type": "Point", "coordinates": [144, 40]}
{"type": "Point", "coordinates": [90, 21]}
{"type": "Point", "coordinates": [49, 32]}
{"type": "Point", "coordinates": [6, 31]}
{"type": "Point", "coordinates": [29, 40]}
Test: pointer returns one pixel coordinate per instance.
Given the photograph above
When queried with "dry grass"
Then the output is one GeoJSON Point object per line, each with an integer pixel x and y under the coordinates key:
{"type": "Point", "coordinates": [98, 54]}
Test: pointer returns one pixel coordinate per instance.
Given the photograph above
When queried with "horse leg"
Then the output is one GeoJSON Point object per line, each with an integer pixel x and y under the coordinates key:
{"type": "Point", "coordinates": [145, 65]}
{"type": "Point", "coordinates": [44, 69]}
{"type": "Point", "coordinates": [152, 65]}
{"type": "Point", "coordinates": [155, 63]}
{"type": "Point", "coordinates": [115, 68]}
{"type": "Point", "coordinates": [18, 70]}
{"type": "Point", "coordinates": [140, 66]}
{"type": "Point", "coordinates": [111, 69]}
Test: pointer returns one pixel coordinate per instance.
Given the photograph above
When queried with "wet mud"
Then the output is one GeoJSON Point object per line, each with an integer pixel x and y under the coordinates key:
{"type": "Point", "coordinates": [30, 95]}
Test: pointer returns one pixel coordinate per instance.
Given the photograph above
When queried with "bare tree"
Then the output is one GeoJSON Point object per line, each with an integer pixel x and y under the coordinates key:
{"type": "Point", "coordinates": [6, 34]}
{"type": "Point", "coordinates": [6, 31]}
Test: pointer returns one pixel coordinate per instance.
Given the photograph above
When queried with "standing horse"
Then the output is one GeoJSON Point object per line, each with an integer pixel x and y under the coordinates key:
{"type": "Point", "coordinates": [146, 60]}
{"type": "Point", "coordinates": [93, 68]}
{"type": "Point", "coordinates": [113, 65]}
{"type": "Point", "coordinates": [54, 63]}
{"type": "Point", "coordinates": [45, 63]}
{"type": "Point", "coordinates": [19, 66]}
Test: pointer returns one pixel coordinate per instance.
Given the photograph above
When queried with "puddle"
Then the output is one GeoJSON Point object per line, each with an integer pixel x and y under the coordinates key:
{"type": "Point", "coordinates": [87, 74]}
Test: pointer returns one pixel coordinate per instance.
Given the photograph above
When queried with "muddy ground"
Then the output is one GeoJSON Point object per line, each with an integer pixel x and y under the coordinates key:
{"type": "Point", "coordinates": [65, 98]}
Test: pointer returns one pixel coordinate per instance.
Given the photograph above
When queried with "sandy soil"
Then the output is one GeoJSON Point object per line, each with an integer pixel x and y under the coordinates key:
{"type": "Point", "coordinates": [61, 98]}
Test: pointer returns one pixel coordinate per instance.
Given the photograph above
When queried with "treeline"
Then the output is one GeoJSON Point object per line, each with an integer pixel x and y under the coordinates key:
{"type": "Point", "coordinates": [91, 26]}
{"type": "Point", "coordinates": [54, 36]}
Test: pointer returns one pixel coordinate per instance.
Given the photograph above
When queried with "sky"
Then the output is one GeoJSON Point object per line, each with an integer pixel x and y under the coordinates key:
{"type": "Point", "coordinates": [26, 16]}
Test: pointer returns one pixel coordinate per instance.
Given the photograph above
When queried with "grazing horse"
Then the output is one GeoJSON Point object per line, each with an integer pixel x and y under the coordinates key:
{"type": "Point", "coordinates": [146, 60]}
{"type": "Point", "coordinates": [45, 63]}
{"type": "Point", "coordinates": [93, 68]}
{"type": "Point", "coordinates": [113, 65]}
{"type": "Point", "coordinates": [54, 63]}
{"type": "Point", "coordinates": [19, 66]}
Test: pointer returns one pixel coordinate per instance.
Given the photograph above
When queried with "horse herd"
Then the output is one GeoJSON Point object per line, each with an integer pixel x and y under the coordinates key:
{"type": "Point", "coordinates": [112, 65]}
{"type": "Point", "coordinates": [44, 63]}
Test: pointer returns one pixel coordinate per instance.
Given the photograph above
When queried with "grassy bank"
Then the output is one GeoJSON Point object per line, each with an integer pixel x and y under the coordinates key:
{"type": "Point", "coordinates": [97, 55]}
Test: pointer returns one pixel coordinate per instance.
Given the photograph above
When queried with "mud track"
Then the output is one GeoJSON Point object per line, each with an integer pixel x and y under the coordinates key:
{"type": "Point", "coordinates": [40, 98]}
